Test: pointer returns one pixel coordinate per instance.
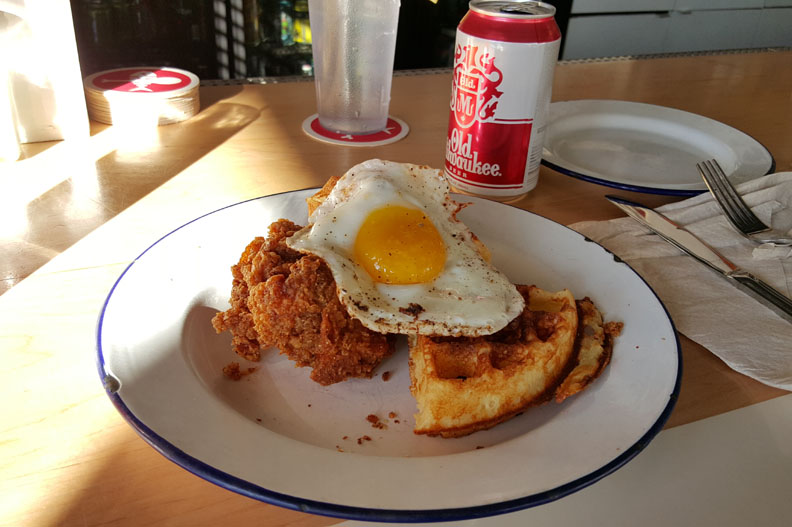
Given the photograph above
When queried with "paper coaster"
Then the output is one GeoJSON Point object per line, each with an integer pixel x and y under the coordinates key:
{"type": "Point", "coordinates": [395, 129]}
{"type": "Point", "coordinates": [142, 94]}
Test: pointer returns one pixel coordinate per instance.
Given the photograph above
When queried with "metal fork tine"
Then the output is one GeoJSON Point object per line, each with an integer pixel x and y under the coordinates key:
{"type": "Point", "coordinates": [750, 221]}
{"type": "Point", "coordinates": [725, 195]}
{"type": "Point", "coordinates": [737, 212]}
{"type": "Point", "coordinates": [721, 197]}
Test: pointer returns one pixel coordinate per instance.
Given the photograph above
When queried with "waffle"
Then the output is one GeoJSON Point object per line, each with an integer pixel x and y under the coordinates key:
{"type": "Point", "coordinates": [314, 200]}
{"type": "Point", "coordinates": [554, 349]}
{"type": "Point", "coordinates": [595, 347]}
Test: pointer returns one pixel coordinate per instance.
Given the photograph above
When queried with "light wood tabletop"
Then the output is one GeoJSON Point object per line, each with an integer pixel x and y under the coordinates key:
{"type": "Point", "coordinates": [76, 214]}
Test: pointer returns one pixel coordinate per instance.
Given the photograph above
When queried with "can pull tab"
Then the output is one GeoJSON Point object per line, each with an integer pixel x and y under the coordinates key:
{"type": "Point", "coordinates": [527, 8]}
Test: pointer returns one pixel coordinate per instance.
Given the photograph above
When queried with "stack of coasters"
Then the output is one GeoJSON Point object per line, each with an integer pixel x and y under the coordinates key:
{"type": "Point", "coordinates": [144, 94]}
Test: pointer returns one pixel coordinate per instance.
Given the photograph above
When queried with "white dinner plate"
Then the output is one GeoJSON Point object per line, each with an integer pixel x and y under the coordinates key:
{"type": "Point", "coordinates": [646, 148]}
{"type": "Point", "coordinates": [277, 436]}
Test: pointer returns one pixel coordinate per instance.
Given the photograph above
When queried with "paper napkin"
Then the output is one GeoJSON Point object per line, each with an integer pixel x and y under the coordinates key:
{"type": "Point", "coordinates": [705, 306]}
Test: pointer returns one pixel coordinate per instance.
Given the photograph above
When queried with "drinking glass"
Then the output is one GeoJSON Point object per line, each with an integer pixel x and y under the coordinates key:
{"type": "Point", "coordinates": [354, 42]}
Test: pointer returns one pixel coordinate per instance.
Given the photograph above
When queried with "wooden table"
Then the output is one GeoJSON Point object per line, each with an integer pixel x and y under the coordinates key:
{"type": "Point", "coordinates": [87, 209]}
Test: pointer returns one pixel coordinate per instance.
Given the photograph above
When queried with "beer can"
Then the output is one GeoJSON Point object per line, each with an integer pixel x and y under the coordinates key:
{"type": "Point", "coordinates": [504, 59]}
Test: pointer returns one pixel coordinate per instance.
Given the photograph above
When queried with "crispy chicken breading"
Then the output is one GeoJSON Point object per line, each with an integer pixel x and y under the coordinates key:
{"type": "Point", "coordinates": [261, 259]}
{"type": "Point", "coordinates": [284, 299]}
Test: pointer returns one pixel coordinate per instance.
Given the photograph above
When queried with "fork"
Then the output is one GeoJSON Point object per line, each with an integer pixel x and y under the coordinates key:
{"type": "Point", "coordinates": [735, 209]}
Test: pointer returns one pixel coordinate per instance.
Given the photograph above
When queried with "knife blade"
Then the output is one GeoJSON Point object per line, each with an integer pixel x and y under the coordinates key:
{"type": "Point", "coordinates": [692, 245]}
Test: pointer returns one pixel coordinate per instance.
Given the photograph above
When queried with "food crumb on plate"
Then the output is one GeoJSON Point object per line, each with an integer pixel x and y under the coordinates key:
{"type": "Point", "coordinates": [235, 373]}
{"type": "Point", "coordinates": [375, 422]}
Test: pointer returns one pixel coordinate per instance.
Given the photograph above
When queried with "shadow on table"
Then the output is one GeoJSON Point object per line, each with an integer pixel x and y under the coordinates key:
{"type": "Point", "coordinates": [100, 179]}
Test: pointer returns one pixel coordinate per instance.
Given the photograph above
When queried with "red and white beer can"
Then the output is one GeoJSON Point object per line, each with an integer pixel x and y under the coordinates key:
{"type": "Point", "coordinates": [504, 59]}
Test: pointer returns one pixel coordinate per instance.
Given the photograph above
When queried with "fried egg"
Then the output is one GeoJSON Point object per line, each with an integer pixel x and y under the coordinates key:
{"type": "Point", "coordinates": [402, 261]}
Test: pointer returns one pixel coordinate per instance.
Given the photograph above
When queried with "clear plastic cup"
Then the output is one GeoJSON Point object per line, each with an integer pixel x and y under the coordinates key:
{"type": "Point", "coordinates": [354, 42]}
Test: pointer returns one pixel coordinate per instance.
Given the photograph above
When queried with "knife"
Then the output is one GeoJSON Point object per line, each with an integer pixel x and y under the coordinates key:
{"type": "Point", "coordinates": [692, 245]}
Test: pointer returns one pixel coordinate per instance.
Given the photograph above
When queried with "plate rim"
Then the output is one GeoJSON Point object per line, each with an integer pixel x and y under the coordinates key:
{"type": "Point", "coordinates": [642, 188]}
{"type": "Point", "coordinates": [238, 485]}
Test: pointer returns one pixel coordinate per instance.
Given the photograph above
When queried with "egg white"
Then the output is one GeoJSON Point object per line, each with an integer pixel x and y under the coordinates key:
{"type": "Point", "coordinates": [468, 298]}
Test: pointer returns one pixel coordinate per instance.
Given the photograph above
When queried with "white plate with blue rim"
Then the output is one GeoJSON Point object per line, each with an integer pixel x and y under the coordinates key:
{"type": "Point", "coordinates": [278, 437]}
{"type": "Point", "coordinates": [646, 148]}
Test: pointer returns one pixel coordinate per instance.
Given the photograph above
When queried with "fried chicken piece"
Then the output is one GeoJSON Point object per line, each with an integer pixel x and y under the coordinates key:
{"type": "Point", "coordinates": [302, 316]}
{"type": "Point", "coordinates": [284, 299]}
{"type": "Point", "coordinates": [261, 259]}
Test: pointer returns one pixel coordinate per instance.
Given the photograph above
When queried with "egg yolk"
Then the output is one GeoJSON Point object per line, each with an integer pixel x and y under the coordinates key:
{"type": "Point", "coordinates": [400, 245]}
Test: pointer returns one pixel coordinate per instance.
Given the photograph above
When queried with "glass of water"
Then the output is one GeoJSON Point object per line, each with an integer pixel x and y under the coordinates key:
{"type": "Point", "coordinates": [354, 42]}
